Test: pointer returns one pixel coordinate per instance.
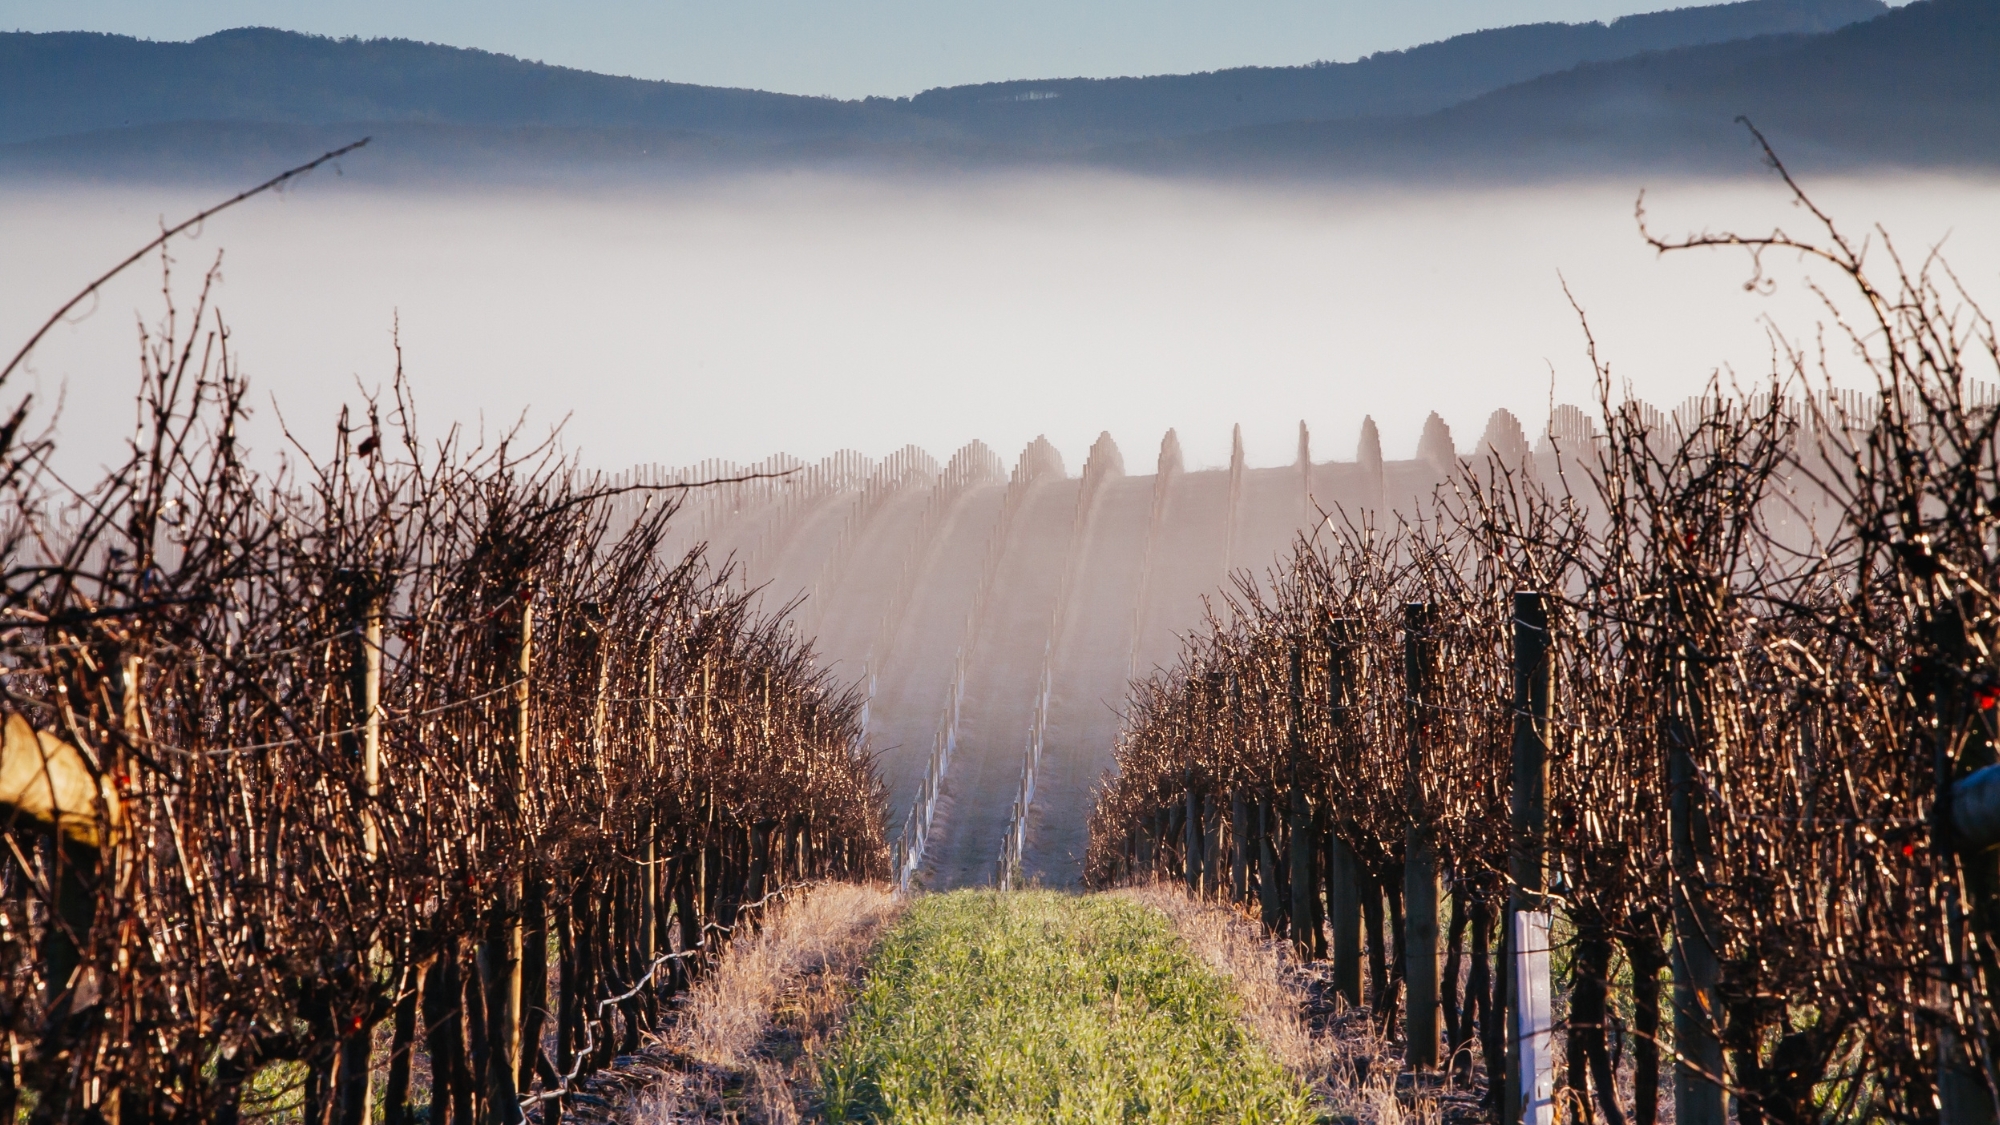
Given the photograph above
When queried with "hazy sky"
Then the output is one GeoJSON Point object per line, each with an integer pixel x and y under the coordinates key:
{"type": "Point", "coordinates": [854, 48]}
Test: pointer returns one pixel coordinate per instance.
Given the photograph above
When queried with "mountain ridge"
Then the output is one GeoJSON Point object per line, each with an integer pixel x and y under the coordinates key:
{"type": "Point", "coordinates": [64, 83]}
{"type": "Point", "coordinates": [1912, 86]}
{"type": "Point", "coordinates": [1381, 84]}
{"type": "Point", "coordinates": [1903, 89]}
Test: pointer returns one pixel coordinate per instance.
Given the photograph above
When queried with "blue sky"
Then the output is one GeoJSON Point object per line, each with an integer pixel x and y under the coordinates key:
{"type": "Point", "coordinates": [853, 47]}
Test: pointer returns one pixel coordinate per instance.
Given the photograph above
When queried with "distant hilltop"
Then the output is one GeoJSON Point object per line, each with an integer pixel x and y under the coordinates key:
{"type": "Point", "coordinates": [1658, 89]}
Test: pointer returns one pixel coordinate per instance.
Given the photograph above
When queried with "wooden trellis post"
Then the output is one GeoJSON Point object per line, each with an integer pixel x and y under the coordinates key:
{"type": "Point", "coordinates": [1191, 831]}
{"type": "Point", "coordinates": [1697, 973]}
{"type": "Point", "coordinates": [500, 953]}
{"type": "Point", "coordinates": [1306, 934]}
{"type": "Point", "coordinates": [361, 739]}
{"type": "Point", "coordinates": [650, 923]}
{"type": "Point", "coordinates": [1343, 872]}
{"type": "Point", "coordinates": [1420, 884]}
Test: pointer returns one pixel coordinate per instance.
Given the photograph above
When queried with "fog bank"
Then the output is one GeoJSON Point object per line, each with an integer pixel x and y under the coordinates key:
{"type": "Point", "coordinates": [804, 314]}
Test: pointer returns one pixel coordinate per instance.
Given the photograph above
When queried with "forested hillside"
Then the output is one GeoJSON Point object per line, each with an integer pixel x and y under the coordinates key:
{"type": "Point", "coordinates": [1836, 83]}
{"type": "Point", "coordinates": [1914, 87]}
{"type": "Point", "coordinates": [65, 83]}
{"type": "Point", "coordinates": [1419, 80]}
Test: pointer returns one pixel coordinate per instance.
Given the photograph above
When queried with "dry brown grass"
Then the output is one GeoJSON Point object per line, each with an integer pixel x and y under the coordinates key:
{"type": "Point", "coordinates": [1343, 1059]}
{"type": "Point", "coordinates": [753, 1028]}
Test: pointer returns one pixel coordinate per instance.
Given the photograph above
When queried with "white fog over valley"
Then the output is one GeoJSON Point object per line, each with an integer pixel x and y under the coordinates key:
{"type": "Point", "coordinates": [802, 314]}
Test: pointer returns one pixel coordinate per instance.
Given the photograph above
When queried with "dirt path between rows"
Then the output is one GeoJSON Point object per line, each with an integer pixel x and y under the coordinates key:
{"type": "Point", "coordinates": [745, 1040]}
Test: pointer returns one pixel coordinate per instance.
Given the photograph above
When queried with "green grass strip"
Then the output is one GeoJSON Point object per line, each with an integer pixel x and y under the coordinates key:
{"type": "Point", "coordinates": [1037, 1006]}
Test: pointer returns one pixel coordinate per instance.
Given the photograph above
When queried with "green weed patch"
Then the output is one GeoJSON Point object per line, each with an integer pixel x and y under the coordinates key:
{"type": "Point", "coordinates": [1036, 1006]}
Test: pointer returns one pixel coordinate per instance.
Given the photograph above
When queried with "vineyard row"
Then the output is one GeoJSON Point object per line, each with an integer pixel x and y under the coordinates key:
{"type": "Point", "coordinates": [1720, 692]}
{"type": "Point", "coordinates": [367, 744]}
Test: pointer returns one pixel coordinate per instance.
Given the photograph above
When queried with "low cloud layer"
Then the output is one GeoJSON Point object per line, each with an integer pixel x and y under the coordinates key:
{"type": "Point", "coordinates": [743, 317]}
